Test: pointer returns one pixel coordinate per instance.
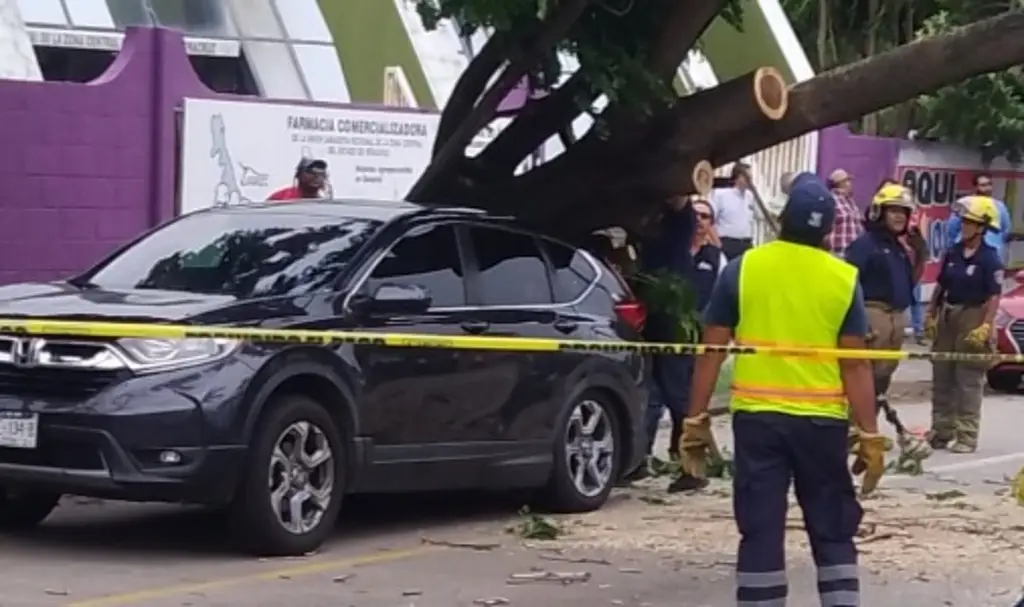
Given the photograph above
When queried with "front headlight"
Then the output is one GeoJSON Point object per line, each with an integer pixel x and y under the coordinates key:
{"type": "Point", "coordinates": [161, 354]}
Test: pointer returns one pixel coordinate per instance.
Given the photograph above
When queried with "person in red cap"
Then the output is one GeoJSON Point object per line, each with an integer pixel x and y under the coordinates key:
{"type": "Point", "coordinates": [310, 177]}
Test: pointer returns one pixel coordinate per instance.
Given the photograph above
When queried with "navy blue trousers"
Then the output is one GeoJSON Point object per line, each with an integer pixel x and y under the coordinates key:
{"type": "Point", "coordinates": [669, 387]}
{"type": "Point", "coordinates": [772, 451]}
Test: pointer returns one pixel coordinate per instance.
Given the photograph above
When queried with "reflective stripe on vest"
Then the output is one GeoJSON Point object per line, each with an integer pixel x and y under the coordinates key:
{"type": "Point", "coordinates": [791, 296]}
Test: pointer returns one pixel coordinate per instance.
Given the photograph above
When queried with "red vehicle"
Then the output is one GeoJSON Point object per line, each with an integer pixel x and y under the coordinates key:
{"type": "Point", "coordinates": [1006, 377]}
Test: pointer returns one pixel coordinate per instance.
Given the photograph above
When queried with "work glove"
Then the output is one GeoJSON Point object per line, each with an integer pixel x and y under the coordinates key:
{"type": "Point", "coordinates": [695, 444]}
{"type": "Point", "coordinates": [930, 327]}
{"type": "Point", "coordinates": [980, 335]}
{"type": "Point", "coordinates": [870, 460]}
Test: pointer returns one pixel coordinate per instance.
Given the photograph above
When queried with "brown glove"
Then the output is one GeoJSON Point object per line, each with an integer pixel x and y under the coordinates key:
{"type": "Point", "coordinates": [695, 444]}
{"type": "Point", "coordinates": [870, 461]}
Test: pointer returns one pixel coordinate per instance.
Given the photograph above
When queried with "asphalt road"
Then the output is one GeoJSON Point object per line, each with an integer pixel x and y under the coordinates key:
{"type": "Point", "coordinates": [643, 549]}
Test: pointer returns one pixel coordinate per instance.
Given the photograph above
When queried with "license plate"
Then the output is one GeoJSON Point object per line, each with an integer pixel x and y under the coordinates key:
{"type": "Point", "coordinates": [19, 429]}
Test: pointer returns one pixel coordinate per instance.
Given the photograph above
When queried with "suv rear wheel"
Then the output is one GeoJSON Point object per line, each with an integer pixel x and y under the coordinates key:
{"type": "Point", "coordinates": [288, 503]}
{"type": "Point", "coordinates": [23, 509]}
{"type": "Point", "coordinates": [586, 457]}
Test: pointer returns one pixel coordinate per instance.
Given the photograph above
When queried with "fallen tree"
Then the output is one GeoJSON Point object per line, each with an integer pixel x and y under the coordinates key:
{"type": "Point", "coordinates": [649, 143]}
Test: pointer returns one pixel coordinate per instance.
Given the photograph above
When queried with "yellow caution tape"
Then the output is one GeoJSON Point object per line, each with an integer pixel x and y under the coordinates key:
{"type": "Point", "coordinates": [457, 342]}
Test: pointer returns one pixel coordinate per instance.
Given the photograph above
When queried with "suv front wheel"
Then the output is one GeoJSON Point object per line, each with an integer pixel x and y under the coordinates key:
{"type": "Point", "coordinates": [23, 509]}
{"type": "Point", "coordinates": [288, 502]}
{"type": "Point", "coordinates": [586, 457]}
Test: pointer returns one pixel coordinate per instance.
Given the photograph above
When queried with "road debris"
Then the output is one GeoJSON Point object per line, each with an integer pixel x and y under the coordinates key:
{"type": "Point", "coordinates": [542, 576]}
{"type": "Point", "coordinates": [532, 526]}
{"type": "Point", "coordinates": [478, 546]}
{"type": "Point", "coordinates": [492, 602]}
{"type": "Point", "coordinates": [578, 560]}
{"type": "Point", "coordinates": [904, 530]}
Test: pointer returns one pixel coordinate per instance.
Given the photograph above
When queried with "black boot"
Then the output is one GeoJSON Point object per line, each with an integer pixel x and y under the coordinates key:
{"type": "Point", "coordinates": [687, 483]}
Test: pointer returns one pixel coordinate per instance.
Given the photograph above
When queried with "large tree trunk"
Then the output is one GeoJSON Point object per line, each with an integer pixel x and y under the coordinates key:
{"type": "Point", "coordinates": [621, 178]}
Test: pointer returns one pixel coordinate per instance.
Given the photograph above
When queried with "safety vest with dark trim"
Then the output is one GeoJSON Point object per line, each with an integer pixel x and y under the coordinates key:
{"type": "Point", "coordinates": [791, 295]}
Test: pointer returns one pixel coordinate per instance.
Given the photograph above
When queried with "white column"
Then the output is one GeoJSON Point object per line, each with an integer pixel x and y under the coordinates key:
{"type": "Point", "coordinates": [17, 57]}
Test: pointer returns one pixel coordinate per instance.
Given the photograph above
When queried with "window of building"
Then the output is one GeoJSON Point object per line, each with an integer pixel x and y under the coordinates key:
{"type": "Point", "coordinates": [275, 71]}
{"type": "Point", "coordinates": [89, 13]}
{"type": "Point", "coordinates": [225, 74]}
{"type": "Point", "coordinates": [43, 12]}
{"type": "Point", "coordinates": [427, 258]}
{"type": "Point", "coordinates": [194, 17]}
{"type": "Point", "coordinates": [512, 270]}
{"type": "Point", "coordinates": [256, 19]}
{"type": "Point", "coordinates": [322, 70]}
{"type": "Point", "coordinates": [72, 64]}
{"type": "Point", "coordinates": [303, 20]}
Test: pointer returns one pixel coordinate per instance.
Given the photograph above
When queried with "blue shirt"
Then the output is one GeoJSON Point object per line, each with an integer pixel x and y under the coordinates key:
{"type": "Point", "coordinates": [884, 268]}
{"type": "Point", "coordinates": [971, 280]}
{"type": "Point", "coordinates": [670, 249]}
{"type": "Point", "coordinates": [708, 263]}
{"type": "Point", "coordinates": [724, 308]}
{"type": "Point", "coordinates": [994, 239]}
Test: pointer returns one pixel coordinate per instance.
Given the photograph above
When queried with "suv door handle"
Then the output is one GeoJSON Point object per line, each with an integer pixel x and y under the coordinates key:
{"type": "Point", "coordinates": [475, 327]}
{"type": "Point", "coordinates": [565, 326]}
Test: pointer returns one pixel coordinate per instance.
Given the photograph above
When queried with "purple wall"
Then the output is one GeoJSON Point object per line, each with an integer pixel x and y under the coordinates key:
{"type": "Point", "coordinates": [87, 167]}
{"type": "Point", "coordinates": [868, 159]}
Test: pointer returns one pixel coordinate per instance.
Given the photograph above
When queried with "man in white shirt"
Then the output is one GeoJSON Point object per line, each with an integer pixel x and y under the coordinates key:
{"type": "Point", "coordinates": [775, 205]}
{"type": "Point", "coordinates": [734, 212]}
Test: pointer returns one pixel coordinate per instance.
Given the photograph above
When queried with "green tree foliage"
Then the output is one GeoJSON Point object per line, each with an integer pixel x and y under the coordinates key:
{"type": "Point", "coordinates": [650, 143]}
{"type": "Point", "coordinates": [613, 42]}
{"type": "Point", "coordinates": [985, 112]}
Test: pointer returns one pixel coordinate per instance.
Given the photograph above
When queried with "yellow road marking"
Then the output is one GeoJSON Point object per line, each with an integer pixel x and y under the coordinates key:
{"type": "Point", "coordinates": [162, 592]}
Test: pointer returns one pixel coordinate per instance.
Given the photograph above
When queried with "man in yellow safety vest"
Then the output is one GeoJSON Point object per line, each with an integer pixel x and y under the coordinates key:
{"type": "Point", "coordinates": [790, 414]}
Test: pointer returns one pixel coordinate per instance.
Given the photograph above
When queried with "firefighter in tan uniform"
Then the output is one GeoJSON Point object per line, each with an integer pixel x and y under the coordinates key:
{"type": "Point", "coordinates": [885, 271]}
{"type": "Point", "coordinates": [960, 315]}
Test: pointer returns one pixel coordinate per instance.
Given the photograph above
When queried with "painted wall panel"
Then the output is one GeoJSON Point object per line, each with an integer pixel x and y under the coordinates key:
{"type": "Point", "coordinates": [369, 36]}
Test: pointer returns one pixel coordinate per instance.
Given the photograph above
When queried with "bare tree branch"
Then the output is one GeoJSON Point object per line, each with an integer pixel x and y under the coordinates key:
{"type": "Point", "coordinates": [851, 91]}
{"type": "Point", "coordinates": [471, 85]}
{"type": "Point", "coordinates": [535, 124]}
{"type": "Point", "coordinates": [453, 151]}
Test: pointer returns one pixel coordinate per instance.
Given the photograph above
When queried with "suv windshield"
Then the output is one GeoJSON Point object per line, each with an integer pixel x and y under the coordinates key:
{"type": "Point", "coordinates": [240, 253]}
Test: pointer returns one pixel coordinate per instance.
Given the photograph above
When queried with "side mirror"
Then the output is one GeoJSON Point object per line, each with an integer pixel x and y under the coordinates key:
{"type": "Point", "coordinates": [400, 299]}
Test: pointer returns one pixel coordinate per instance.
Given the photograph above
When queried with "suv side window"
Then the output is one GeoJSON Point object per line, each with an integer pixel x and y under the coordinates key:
{"type": "Point", "coordinates": [572, 273]}
{"type": "Point", "coordinates": [427, 257]}
{"type": "Point", "coordinates": [512, 270]}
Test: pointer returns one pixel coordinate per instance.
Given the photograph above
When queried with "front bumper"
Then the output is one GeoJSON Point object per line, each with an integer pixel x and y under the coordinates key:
{"type": "Point", "coordinates": [92, 462]}
{"type": "Point", "coordinates": [108, 443]}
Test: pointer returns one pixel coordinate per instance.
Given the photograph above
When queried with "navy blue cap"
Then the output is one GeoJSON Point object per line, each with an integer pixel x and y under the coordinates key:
{"type": "Point", "coordinates": [810, 209]}
{"type": "Point", "coordinates": [311, 164]}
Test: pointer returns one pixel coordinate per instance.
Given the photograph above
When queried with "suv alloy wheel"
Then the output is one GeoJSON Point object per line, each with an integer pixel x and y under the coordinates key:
{"type": "Point", "coordinates": [586, 457]}
{"type": "Point", "coordinates": [289, 501]}
{"type": "Point", "coordinates": [23, 509]}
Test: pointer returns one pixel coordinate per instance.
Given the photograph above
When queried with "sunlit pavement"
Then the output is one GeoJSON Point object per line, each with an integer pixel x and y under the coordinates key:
{"type": "Point", "coordinates": [107, 555]}
{"type": "Point", "coordinates": [451, 552]}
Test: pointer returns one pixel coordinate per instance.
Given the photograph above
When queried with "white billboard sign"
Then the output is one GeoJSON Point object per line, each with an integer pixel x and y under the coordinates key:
{"type": "Point", "coordinates": [241, 151]}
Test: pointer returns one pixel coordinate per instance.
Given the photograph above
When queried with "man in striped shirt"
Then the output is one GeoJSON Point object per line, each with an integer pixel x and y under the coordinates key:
{"type": "Point", "coordinates": [849, 222]}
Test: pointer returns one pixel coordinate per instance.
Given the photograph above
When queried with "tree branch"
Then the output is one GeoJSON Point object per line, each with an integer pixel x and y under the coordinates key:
{"type": "Point", "coordinates": [534, 125]}
{"type": "Point", "coordinates": [850, 91]}
{"type": "Point", "coordinates": [453, 151]}
{"type": "Point", "coordinates": [471, 85]}
{"type": "Point", "coordinates": [680, 32]}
